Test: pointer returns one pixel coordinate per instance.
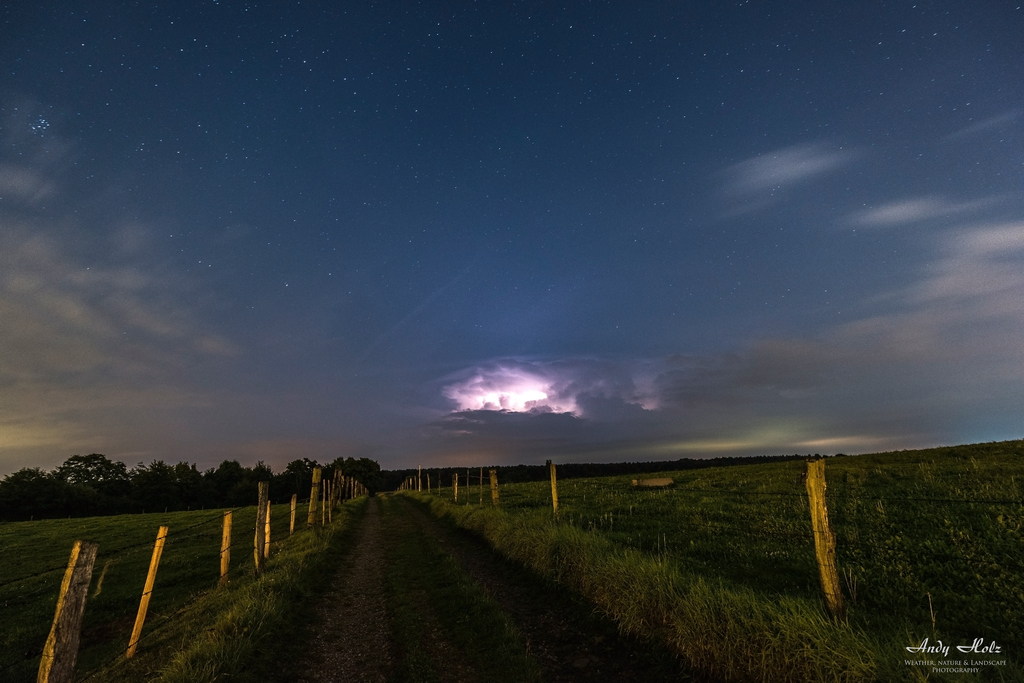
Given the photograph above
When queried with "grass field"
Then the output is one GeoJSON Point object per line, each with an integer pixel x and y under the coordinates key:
{"type": "Point", "coordinates": [35, 556]}
{"type": "Point", "coordinates": [929, 543]}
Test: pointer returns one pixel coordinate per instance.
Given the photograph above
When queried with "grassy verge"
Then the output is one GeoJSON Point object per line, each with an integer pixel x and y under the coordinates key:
{"type": "Point", "coordinates": [245, 632]}
{"type": "Point", "coordinates": [430, 594]}
{"type": "Point", "coordinates": [191, 627]}
{"type": "Point", "coordinates": [726, 632]}
{"type": "Point", "coordinates": [930, 546]}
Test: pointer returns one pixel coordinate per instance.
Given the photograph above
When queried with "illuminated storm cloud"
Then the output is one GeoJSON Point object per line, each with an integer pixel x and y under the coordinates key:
{"type": "Point", "coordinates": [583, 387]}
{"type": "Point", "coordinates": [517, 389]}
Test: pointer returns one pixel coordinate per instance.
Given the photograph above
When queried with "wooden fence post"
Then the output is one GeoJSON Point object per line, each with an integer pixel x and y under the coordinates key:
{"type": "Point", "coordinates": [225, 549]}
{"type": "Point", "coordinates": [824, 538]}
{"type": "Point", "coordinates": [61, 649]}
{"type": "Point", "coordinates": [314, 495]}
{"type": "Point", "coordinates": [140, 618]}
{"type": "Point", "coordinates": [266, 532]}
{"type": "Point", "coordinates": [419, 478]}
{"type": "Point", "coordinates": [494, 487]}
{"type": "Point", "coordinates": [554, 487]}
{"type": "Point", "coordinates": [295, 504]}
{"type": "Point", "coordinates": [481, 483]}
{"type": "Point", "coordinates": [261, 529]}
{"type": "Point", "coordinates": [455, 486]}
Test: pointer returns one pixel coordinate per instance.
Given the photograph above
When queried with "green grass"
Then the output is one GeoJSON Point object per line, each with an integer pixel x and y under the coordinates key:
{"type": "Point", "coordinates": [725, 557]}
{"type": "Point", "coordinates": [184, 599]}
{"type": "Point", "coordinates": [256, 627]}
{"type": "Point", "coordinates": [428, 590]}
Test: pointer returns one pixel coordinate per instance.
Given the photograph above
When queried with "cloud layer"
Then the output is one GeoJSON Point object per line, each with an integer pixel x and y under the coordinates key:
{"type": "Point", "coordinates": [96, 336]}
{"type": "Point", "coordinates": [938, 353]}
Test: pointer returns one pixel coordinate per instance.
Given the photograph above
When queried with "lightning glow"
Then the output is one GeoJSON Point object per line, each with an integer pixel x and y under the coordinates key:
{"type": "Point", "coordinates": [506, 388]}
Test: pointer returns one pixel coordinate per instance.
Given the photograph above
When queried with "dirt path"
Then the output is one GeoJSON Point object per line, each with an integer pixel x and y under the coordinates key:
{"type": "Point", "coordinates": [353, 643]}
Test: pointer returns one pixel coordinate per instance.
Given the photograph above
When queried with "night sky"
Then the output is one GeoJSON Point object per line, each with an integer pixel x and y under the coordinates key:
{"type": "Point", "coordinates": [486, 233]}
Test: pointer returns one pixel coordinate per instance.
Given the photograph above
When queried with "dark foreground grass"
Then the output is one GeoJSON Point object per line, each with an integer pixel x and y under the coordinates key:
{"type": "Point", "coordinates": [185, 602]}
{"type": "Point", "coordinates": [721, 565]}
{"type": "Point", "coordinates": [435, 606]}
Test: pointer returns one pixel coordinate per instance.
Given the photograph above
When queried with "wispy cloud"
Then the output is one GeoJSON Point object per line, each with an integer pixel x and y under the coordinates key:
{"type": "Point", "coordinates": [22, 184]}
{"type": "Point", "coordinates": [919, 209]}
{"type": "Point", "coordinates": [985, 125]}
{"type": "Point", "coordinates": [785, 167]}
{"type": "Point", "coordinates": [756, 182]}
{"type": "Point", "coordinates": [89, 348]}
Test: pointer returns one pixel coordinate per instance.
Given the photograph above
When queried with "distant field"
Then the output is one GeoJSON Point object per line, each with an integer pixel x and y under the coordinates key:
{"type": "Point", "coordinates": [925, 534]}
{"type": "Point", "coordinates": [35, 555]}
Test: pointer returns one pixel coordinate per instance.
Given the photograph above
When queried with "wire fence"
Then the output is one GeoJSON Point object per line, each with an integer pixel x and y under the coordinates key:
{"type": "Point", "coordinates": [905, 539]}
{"type": "Point", "coordinates": [189, 570]}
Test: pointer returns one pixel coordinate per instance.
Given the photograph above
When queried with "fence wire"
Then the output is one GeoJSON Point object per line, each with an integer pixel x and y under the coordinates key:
{"type": "Point", "coordinates": [155, 622]}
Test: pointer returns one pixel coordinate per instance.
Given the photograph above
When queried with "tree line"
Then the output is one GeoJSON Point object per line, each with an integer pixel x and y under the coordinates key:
{"type": "Point", "coordinates": [93, 484]}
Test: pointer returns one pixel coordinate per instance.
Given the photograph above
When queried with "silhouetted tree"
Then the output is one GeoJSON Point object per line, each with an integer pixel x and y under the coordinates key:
{"type": "Point", "coordinates": [31, 492]}
{"type": "Point", "coordinates": [364, 470]}
{"type": "Point", "coordinates": [154, 487]}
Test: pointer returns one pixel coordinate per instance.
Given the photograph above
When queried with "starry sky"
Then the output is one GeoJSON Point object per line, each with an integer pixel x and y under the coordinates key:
{"type": "Point", "coordinates": [502, 232]}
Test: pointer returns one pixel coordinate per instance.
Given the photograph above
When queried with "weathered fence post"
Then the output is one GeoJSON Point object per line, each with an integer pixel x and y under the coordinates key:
{"type": "Point", "coordinates": [314, 495]}
{"type": "Point", "coordinates": [266, 532]}
{"type": "Point", "coordinates": [419, 478]}
{"type": "Point", "coordinates": [61, 649]}
{"type": "Point", "coordinates": [140, 618]}
{"type": "Point", "coordinates": [824, 538]}
{"type": "Point", "coordinates": [261, 529]}
{"type": "Point", "coordinates": [480, 481]}
{"type": "Point", "coordinates": [295, 504]}
{"type": "Point", "coordinates": [494, 487]}
{"type": "Point", "coordinates": [554, 487]}
{"type": "Point", "coordinates": [455, 486]}
{"type": "Point", "coordinates": [225, 549]}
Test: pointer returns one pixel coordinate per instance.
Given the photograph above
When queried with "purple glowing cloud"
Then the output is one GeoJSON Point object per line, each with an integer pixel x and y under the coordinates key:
{"type": "Point", "coordinates": [514, 388]}
{"type": "Point", "coordinates": [576, 386]}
